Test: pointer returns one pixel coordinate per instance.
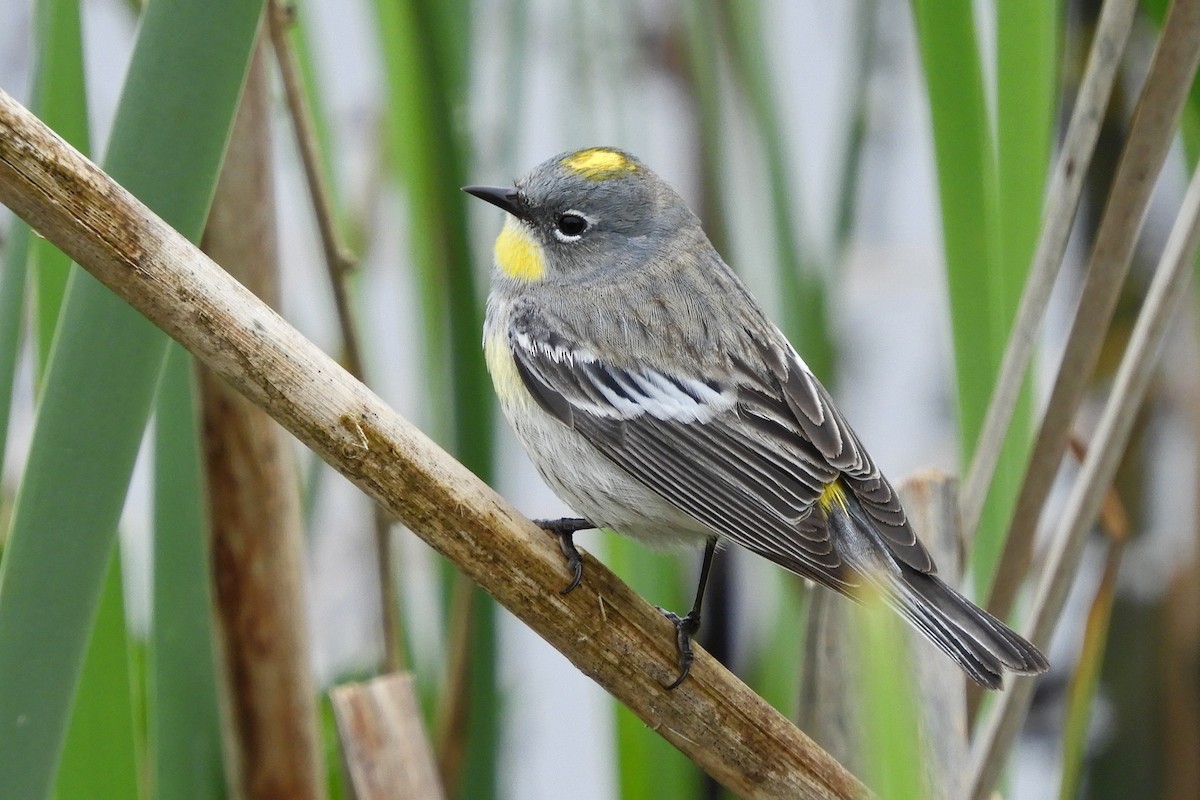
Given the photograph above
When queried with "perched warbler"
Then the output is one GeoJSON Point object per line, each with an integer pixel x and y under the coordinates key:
{"type": "Point", "coordinates": [657, 399]}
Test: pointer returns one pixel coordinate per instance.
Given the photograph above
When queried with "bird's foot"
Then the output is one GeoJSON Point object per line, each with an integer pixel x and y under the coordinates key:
{"type": "Point", "coordinates": [686, 627]}
{"type": "Point", "coordinates": [565, 530]}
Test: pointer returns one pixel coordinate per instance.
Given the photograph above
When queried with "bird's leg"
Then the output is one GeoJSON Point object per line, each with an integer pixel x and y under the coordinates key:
{"type": "Point", "coordinates": [688, 625]}
{"type": "Point", "coordinates": [565, 529]}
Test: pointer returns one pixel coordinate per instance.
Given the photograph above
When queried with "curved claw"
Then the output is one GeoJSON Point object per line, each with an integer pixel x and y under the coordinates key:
{"type": "Point", "coordinates": [574, 563]}
{"type": "Point", "coordinates": [564, 530]}
{"type": "Point", "coordinates": [685, 628]}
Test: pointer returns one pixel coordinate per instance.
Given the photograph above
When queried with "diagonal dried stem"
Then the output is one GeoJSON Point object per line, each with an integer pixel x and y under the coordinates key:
{"type": "Point", "coordinates": [1090, 489]}
{"type": "Point", "coordinates": [338, 259]}
{"type": "Point", "coordinates": [1081, 691]}
{"type": "Point", "coordinates": [1062, 201]}
{"type": "Point", "coordinates": [714, 718]}
{"type": "Point", "coordinates": [1154, 125]}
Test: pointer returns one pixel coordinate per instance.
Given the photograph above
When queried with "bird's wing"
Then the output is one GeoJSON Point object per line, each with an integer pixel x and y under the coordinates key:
{"type": "Point", "coordinates": [744, 453]}
{"type": "Point", "coordinates": [818, 419]}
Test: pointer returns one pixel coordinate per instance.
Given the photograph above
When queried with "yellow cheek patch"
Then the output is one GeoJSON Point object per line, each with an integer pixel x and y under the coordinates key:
{"type": "Point", "coordinates": [598, 163]}
{"type": "Point", "coordinates": [517, 253]}
{"type": "Point", "coordinates": [832, 495]}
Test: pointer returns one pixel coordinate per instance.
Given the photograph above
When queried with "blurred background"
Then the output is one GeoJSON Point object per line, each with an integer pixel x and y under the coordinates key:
{"type": "Point", "coordinates": [803, 135]}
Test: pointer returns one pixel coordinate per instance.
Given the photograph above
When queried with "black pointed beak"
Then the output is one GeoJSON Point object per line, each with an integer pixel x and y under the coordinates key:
{"type": "Point", "coordinates": [505, 197]}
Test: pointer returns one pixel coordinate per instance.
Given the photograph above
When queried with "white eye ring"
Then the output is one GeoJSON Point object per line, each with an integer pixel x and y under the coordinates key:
{"type": "Point", "coordinates": [575, 217]}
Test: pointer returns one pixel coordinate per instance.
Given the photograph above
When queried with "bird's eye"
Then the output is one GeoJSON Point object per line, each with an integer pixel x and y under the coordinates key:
{"type": "Point", "coordinates": [570, 226]}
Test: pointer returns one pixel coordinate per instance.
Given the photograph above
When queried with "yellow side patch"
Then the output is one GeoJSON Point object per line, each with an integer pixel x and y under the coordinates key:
{"type": "Point", "coordinates": [833, 494]}
{"type": "Point", "coordinates": [517, 253]}
{"type": "Point", "coordinates": [503, 369]}
{"type": "Point", "coordinates": [598, 163]}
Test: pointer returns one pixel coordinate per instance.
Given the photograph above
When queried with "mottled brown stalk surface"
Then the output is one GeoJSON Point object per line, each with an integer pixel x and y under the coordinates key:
{"type": "Point", "coordinates": [605, 629]}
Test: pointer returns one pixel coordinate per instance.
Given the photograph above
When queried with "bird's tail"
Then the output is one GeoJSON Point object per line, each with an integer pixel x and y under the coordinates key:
{"type": "Point", "coordinates": [981, 644]}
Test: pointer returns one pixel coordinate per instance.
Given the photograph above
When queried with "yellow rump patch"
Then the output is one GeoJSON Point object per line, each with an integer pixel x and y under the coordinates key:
{"type": "Point", "coordinates": [833, 494]}
{"type": "Point", "coordinates": [517, 253]}
{"type": "Point", "coordinates": [598, 163]}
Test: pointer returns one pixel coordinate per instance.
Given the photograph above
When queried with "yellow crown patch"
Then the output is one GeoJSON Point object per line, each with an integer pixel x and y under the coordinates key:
{"type": "Point", "coordinates": [599, 163]}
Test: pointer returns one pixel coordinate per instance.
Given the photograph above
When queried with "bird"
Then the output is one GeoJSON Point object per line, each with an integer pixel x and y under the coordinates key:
{"type": "Point", "coordinates": [658, 400]}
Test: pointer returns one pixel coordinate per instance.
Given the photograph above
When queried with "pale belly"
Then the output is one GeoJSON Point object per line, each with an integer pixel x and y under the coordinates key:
{"type": "Point", "coordinates": [600, 491]}
{"type": "Point", "coordinates": [587, 481]}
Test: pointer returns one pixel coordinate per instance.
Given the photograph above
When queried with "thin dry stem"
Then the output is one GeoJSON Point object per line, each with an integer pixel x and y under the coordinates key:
{"type": "Point", "coordinates": [1099, 467]}
{"type": "Point", "coordinates": [382, 736]}
{"type": "Point", "coordinates": [713, 718]}
{"type": "Point", "coordinates": [455, 702]}
{"type": "Point", "coordinates": [338, 263]}
{"type": "Point", "coordinates": [1154, 124]}
{"type": "Point", "coordinates": [1082, 686]}
{"type": "Point", "coordinates": [1114, 519]}
{"type": "Point", "coordinates": [831, 691]}
{"type": "Point", "coordinates": [338, 259]}
{"type": "Point", "coordinates": [1179, 698]}
{"type": "Point", "coordinates": [1062, 201]}
{"type": "Point", "coordinates": [272, 744]}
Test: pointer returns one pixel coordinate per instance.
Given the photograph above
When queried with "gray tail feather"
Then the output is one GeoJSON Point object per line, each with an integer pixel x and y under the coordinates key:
{"type": "Point", "coordinates": [981, 644]}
